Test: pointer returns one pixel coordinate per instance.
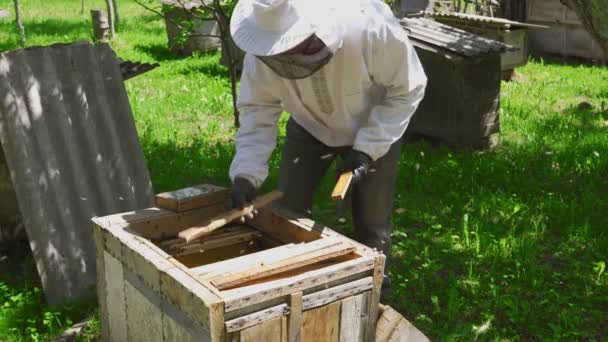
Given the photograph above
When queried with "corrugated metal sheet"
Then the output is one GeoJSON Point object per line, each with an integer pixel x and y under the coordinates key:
{"type": "Point", "coordinates": [70, 142]}
{"type": "Point", "coordinates": [425, 32]}
{"type": "Point", "coordinates": [499, 22]}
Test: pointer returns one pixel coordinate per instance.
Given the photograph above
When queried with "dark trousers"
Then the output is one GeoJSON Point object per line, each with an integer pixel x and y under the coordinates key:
{"type": "Point", "coordinates": [305, 160]}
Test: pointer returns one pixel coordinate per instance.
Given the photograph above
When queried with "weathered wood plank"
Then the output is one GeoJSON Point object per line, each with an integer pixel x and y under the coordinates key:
{"type": "Point", "coordinates": [261, 258]}
{"type": "Point", "coordinates": [333, 294]}
{"type": "Point", "coordinates": [406, 332]}
{"type": "Point", "coordinates": [191, 198]}
{"type": "Point", "coordinates": [374, 299]}
{"type": "Point", "coordinates": [235, 279]}
{"type": "Point", "coordinates": [144, 313]}
{"type": "Point", "coordinates": [295, 316]}
{"type": "Point", "coordinates": [238, 298]}
{"type": "Point", "coordinates": [102, 283]}
{"type": "Point", "coordinates": [177, 326]}
{"type": "Point", "coordinates": [224, 218]}
{"type": "Point", "coordinates": [388, 321]}
{"type": "Point", "coordinates": [270, 331]}
{"type": "Point", "coordinates": [350, 319]}
{"type": "Point", "coordinates": [321, 324]}
{"type": "Point", "coordinates": [117, 315]}
{"type": "Point", "coordinates": [159, 224]}
{"type": "Point", "coordinates": [257, 318]}
{"type": "Point", "coordinates": [195, 300]}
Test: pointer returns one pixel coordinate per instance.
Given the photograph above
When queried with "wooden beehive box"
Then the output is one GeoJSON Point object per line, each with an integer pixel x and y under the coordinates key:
{"type": "Point", "coordinates": [273, 279]}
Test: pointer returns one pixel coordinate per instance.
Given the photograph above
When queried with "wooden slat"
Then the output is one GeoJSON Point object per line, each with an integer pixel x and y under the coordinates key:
{"type": "Point", "coordinates": [406, 332]}
{"type": "Point", "coordinates": [102, 282]}
{"type": "Point", "coordinates": [238, 298]}
{"type": "Point", "coordinates": [261, 258]}
{"type": "Point", "coordinates": [159, 224]}
{"type": "Point", "coordinates": [115, 294]}
{"type": "Point", "coordinates": [257, 318]}
{"type": "Point", "coordinates": [192, 197]}
{"type": "Point", "coordinates": [270, 331]}
{"type": "Point", "coordinates": [233, 280]}
{"type": "Point", "coordinates": [295, 316]}
{"type": "Point", "coordinates": [333, 294]}
{"type": "Point", "coordinates": [341, 187]}
{"type": "Point", "coordinates": [144, 313]}
{"type": "Point", "coordinates": [221, 220]}
{"type": "Point", "coordinates": [388, 321]}
{"type": "Point", "coordinates": [350, 319]}
{"type": "Point", "coordinates": [374, 299]}
{"type": "Point", "coordinates": [199, 246]}
{"type": "Point", "coordinates": [321, 324]}
{"type": "Point", "coordinates": [283, 229]}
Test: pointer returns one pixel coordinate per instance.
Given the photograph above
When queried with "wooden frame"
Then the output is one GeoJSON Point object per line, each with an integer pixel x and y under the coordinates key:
{"type": "Point", "coordinates": [295, 281]}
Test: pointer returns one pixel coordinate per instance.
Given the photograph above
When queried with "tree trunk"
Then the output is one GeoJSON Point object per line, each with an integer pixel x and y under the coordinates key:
{"type": "Point", "coordinates": [594, 16]}
{"type": "Point", "coordinates": [110, 6]}
{"type": "Point", "coordinates": [116, 16]}
{"type": "Point", "coordinates": [19, 23]}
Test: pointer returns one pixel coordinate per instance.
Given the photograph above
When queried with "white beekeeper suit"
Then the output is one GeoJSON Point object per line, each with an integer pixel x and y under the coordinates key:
{"type": "Point", "coordinates": [353, 96]}
{"type": "Point", "coordinates": [364, 97]}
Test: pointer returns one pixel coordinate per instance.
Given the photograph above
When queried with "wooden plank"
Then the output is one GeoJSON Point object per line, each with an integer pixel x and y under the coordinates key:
{"type": "Point", "coordinates": [219, 235]}
{"type": "Point", "coordinates": [223, 241]}
{"type": "Point", "coordinates": [321, 324]}
{"type": "Point", "coordinates": [333, 294]}
{"type": "Point", "coordinates": [257, 318]}
{"type": "Point", "coordinates": [374, 299]}
{"type": "Point", "coordinates": [117, 315]}
{"type": "Point", "coordinates": [350, 319]}
{"type": "Point", "coordinates": [270, 331]}
{"type": "Point", "coordinates": [223, 219]}
{"type": "Point", "coordinates": [178, 327]}
{"type": "Point", "coordinates": [159, 224]}
{"type": "Point", "coordinates": [195, 300]}
{"type": "Point", "coordinates": [295, 316]}
{"type": "Point", "coordinates": [236, 279]}
{"type": "Point", "coordinates": [341, 187]}
{"type": "Point", "coordinates": [261, 258]}
{"type": "Point", "coordinates": [282, 229]}
{"type": "Point", "coordinates": [238, 298]}
{"type": "Point", "coordinates": [406, 332]}
{"type": "Point", "coordinates": [288, 227]}
{"type": "Point", "coordinates": [144, 313]}
{"type": "Point", "coordinates": [102, 293]}
{"type": "Point", "coordinates": [192, 197]}
{"type": "Point", "coordinates": [388, 321]}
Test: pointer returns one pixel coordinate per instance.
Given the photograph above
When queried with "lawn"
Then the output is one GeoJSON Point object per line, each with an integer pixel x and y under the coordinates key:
{"type": "Point", "coordinates": [508, 244]}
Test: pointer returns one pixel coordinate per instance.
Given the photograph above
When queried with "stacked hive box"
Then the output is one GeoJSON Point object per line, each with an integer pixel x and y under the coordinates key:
{"type": "Point", "coordinates": [274, 279]}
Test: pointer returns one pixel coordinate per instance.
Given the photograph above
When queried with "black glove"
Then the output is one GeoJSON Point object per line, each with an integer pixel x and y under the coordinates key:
{"type": "Point", "coordinates": [243, 192]}
{"type": "Point", "coordinates": [357, 162]}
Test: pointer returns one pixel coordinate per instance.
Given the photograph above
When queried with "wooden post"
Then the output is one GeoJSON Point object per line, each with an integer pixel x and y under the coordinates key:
{"type": "Point", "coordinates": [19, 23]}
{"type": "Point", "coordinates": [101, 27]}
{"type": "Point", "coordinates": [110, 16]}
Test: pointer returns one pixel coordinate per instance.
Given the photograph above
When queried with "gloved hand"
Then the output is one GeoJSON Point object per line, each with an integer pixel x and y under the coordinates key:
{"type": "Point", "coordinates": [243, 192]}
{"type": "Point", "coordinates": [357, 162]}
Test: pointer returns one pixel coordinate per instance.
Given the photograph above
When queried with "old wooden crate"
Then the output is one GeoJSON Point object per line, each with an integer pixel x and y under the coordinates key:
{"type": "Point", "coordinates": [274, 279]}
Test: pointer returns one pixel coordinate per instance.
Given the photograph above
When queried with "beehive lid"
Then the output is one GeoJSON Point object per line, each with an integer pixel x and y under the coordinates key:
{"type": "Point", "coordinates": [431, 35]}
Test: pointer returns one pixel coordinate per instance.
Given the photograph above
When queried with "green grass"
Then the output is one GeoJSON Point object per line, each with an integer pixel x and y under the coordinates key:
{"type": "Point", "coordinates": [507, 244]}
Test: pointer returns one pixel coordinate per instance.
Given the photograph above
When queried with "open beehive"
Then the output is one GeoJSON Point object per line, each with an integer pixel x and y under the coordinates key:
{"type": "Point", "coordinates": [276, 278]}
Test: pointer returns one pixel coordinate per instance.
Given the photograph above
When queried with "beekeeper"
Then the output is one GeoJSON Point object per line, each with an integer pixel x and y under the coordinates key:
{"type": "Point", "coordinates": [350, 79]}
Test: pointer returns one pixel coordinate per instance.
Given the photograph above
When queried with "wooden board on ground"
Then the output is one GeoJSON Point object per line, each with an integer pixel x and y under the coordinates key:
{"type": "Point", "coordinates": [392, 327]}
